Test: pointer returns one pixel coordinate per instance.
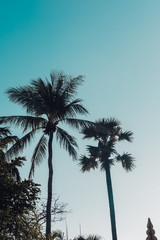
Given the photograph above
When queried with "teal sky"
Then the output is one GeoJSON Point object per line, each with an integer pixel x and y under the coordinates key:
{"type": "Point", "coordinates": [116, 45]}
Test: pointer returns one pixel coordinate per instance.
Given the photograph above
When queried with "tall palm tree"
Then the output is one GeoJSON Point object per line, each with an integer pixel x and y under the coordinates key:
{"type": "Point", "coordinates": [107, 132]}
{"type": "Point", "coordinates": [49, 103]}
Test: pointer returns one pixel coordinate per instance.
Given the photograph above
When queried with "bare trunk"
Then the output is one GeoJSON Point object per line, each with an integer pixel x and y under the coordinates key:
{"type": "Point", "coordinates": [111, 203]}
{"type": "Point", "coordinates": [50, 179]}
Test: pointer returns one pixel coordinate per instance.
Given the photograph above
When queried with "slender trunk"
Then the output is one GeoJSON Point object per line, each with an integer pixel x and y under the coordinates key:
{"type": "Point", "coordinates": [111, 203]}
{"type": "Point", "coordinates": [50, 178]}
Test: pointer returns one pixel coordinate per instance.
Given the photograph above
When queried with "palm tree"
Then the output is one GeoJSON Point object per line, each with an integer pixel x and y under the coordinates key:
{"type": "Point", "coordinates": [107, 132]}
{"type": "Point", "coordinates": [89, 237]}
{"type": "Point", "coordinates": [49, 103]}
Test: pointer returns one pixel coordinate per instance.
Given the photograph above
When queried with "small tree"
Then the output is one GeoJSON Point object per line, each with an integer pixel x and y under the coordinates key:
{"type": "Point", "coordinates": [17, 201]}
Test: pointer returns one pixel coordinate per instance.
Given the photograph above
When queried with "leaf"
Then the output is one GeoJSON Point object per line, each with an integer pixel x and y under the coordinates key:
{"type": "Point", "coordinates": [38, 154]}
{"type": "Point", "coordinates": [87, 164]}
{"type": "Point", "coordinates": [77, 123]}
{"type": "Point", "coordinates": [127, 135]}
{"type": "Point", "coordinates": [67, 141]}
{"type": "Point", "coordinates": [127, 161]}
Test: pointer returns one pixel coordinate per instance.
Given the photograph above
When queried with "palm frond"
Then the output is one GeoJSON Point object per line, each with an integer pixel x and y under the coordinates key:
{"type": "Point", "coordinates": [56, 77]}
{"type": "Point", "coordinates": [59, 84]}
{"type": "Point", "coordinates": [77, 123]}
{"type": "Point", "coordinates": [87, 164]}
{"type": "Point", "coordinates": [75, 107]}
{"type": "Point", "coordinates": [71, 85]}
{"type": "Point", "coordinates": [26, 122]}
{"type": "Point", "coordinates": [4, 142]}
{"type": "Point", "coordinates": [65, 86]}
{"type": "Point", "coordinates": [96, 131]}
{"type": "Point", "coordinates": [44, 97]}
{"type": "Point", "coordinates": [38, 154]}
{"type": "Point", "coordinates": [29, 97]}
{"type": "Point", "coordinates": [108, 127]}
{"type": "Point", "coordinates": [109, 123]}
{"type": "Point", "coordinates": [4, 131]}
{"type": "Point", "coordinates": [90, 132]}
{"type": "Point", "coordinates": [109, 149]}
{"type": "Point", "coordinates": [40, 87]}
{"type": "Point", "coordinates": [94, 152]}
{"type": "Point", "coordinates": [127, 161]}
{"type": "Point", "coordinates": [24, 96]}
{"type": "Point", "coordinates": [20, 144]}
{"type": "Point", "coordinates": [67, 141]}
{"type": "Point", "coordinates": [106, 162]}
{"type": "Point", "coordinates": [19, 94]}
{"type": "Point", "coordinates": [93, 237]}
{"type": "Point", "coordinates": [127, 135]}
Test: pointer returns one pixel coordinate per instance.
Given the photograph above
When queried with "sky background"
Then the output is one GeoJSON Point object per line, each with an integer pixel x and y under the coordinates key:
{"type": "Point", "coordinates": [116, 46]}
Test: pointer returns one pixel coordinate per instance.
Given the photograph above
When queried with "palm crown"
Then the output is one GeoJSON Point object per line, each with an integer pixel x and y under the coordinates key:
{"type": "Point", "coordinates": [107, 132]}
{"type": "Point", "coordinates": [49, 103]}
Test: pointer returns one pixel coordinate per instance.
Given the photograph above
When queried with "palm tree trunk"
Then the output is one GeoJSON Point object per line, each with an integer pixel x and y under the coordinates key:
{"type": "Point", "coordinates": [111, 203]}
{"type": "Point", "coordinates": [50, 179]}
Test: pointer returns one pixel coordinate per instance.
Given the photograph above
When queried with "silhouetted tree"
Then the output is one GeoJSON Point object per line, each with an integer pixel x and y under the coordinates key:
{"type": "Point", "coordinates": [17, 201]}
{"type": "Point", "coordinates": [49, 103]}
{"type": "Point", "coordinates": [107, 132]}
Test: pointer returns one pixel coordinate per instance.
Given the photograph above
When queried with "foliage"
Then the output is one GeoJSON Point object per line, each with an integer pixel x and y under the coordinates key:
{"type": "Point", "coordinates": [89, 237]}
{"type": "Point", "coordinates": [20, 216]}
{"type": "Point", "coordinates": [107, 132]}
{"type": "Point", "coordinates": [17, 202]}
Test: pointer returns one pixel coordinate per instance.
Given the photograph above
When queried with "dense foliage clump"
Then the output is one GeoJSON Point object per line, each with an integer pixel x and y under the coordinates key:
{"type": "Point", "coordinates": [17, 203]}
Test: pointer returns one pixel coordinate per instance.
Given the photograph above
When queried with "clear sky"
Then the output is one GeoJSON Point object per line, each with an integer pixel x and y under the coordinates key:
{"type": "Point", "coordinates": [116, 45]}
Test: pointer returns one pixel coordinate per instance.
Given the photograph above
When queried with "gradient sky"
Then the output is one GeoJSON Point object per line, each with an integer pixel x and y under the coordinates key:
{"type": "Point", "coordinates": [116, 45]}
